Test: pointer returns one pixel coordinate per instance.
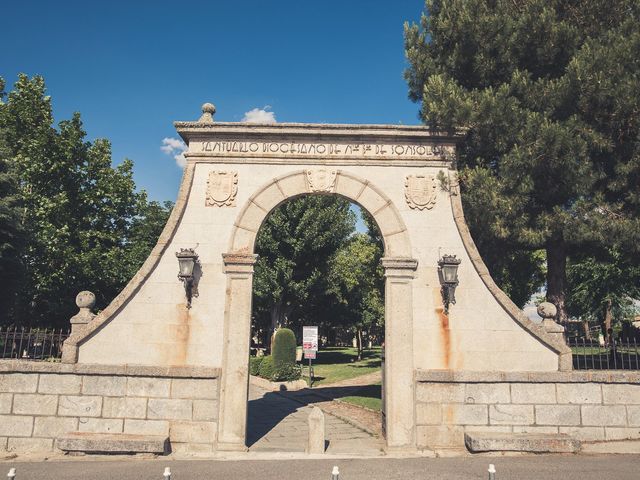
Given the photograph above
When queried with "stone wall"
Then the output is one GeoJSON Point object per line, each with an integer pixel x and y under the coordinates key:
{"type": "Point", "coordinates": [42, 401]}
{"type": "Point", "coordinates": [589, 406]}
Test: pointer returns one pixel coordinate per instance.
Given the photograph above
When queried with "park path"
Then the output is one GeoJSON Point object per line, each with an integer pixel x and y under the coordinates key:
{"type": "Point", "coordinates": [277, 422]}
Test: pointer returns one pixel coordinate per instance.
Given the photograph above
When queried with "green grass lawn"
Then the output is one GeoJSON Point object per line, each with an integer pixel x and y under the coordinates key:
{"type": "Point", "coordinates": [339, 363]}
{"type": "Point", "coordinates": [369, 397]}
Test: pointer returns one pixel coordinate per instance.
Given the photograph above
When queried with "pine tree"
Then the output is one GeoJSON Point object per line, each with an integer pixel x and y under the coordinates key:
{"type": "Point", "coordinates": [547, 92]}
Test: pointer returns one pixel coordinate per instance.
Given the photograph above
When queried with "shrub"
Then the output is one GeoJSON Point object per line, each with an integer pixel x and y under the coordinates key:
{"type": "Point", "coordinates": [287, 372]}
{"type": "Point", "coordinates": [266, 367]}
{"type": "Point", "coordinates": [284, 348]}
{"type": "Point", "coordinates": [254, 365]}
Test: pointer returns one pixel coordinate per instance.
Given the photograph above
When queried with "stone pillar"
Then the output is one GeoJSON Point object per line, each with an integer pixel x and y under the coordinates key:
{"type": "Point", "coordinates": [398, 340]}
{"type": "Point", "coordinates": [316, 431]}
{"type": "Point", "coordinates": [234, 380]}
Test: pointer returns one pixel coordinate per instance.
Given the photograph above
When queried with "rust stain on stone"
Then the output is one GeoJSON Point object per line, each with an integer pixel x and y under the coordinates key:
{"type": "Point", "coordinates": [445, 333]}
{"type": "Point", "coordinates": [182, 333]}
{"type": "Point", "coordinates": [448, 415]}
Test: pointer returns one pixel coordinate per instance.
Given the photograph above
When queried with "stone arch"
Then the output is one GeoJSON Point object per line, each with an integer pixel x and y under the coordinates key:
{"type": "Point", "coordinates": [285, 187]}
{"type": "Point", "coordinates": [399, 267]}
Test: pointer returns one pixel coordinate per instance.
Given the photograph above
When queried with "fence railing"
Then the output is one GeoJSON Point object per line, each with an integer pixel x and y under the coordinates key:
{"type": "Point", "coordinates": [594, 354]}
{"type": "Point", "coordinates": [32, 343]}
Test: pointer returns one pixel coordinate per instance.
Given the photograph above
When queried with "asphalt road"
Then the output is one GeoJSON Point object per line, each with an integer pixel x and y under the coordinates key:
{"type": "Point", "coordinates": [620, 467]}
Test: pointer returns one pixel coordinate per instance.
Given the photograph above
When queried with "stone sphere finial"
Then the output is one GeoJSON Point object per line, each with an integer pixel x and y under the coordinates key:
{"type": "Point", "coordinates": [547, 310]}
{"type": "Point", "coordinates": [85, 299]}
{"type": "Point", "coordinates": [208, 110]}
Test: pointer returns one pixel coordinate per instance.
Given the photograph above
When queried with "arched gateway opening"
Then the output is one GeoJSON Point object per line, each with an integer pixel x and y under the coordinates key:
{"type": "Point", "coordinates": [399, 272]}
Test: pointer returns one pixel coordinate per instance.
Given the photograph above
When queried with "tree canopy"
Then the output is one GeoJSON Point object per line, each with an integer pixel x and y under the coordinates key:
{"type": "Point", "coordinates": [546, 93]}
{"type": "Point", "coordinates": [83, 224]}
{"type": "Point", "coordinates": [313, 268]}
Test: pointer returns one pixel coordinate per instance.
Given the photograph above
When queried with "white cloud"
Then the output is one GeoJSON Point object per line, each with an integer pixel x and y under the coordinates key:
{"type": "Point", "coordinates": [176, 148]}
{"type": "Point", "coordinates": [260, 115]}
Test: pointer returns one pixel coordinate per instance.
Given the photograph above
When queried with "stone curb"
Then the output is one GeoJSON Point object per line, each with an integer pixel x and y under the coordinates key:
{"type": "Point", "coordinates": [291, 386]}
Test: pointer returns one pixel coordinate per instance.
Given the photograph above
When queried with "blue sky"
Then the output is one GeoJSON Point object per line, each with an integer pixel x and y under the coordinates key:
{"type": "Point", "coordinates": [132, 68]}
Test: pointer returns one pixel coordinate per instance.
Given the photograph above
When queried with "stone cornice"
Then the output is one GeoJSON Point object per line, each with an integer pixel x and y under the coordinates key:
{"type": "Point", "coordinates": [188, 130]}
{"type": "Point", "coordinates": [26, 366]}
{"type": "Point", "coordinates": [587, 376]}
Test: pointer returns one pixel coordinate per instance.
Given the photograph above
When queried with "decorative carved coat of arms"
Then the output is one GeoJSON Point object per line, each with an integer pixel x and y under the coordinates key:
{"type": "Point", "coordinates": [222, 188]}
{"type": "Point", "coordinates": [420, 191]}
{"type": "Point", "coordinates": [321, 180]}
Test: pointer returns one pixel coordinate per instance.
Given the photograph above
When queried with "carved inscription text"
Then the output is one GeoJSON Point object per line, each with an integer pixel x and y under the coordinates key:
{"type": "Point", "coordinates": [326, 149]}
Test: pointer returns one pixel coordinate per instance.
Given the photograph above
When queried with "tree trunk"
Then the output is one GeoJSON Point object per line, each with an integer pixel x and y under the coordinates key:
{"type": "Point", "coordinates": [557, 278]}
{"type": "Point", "coordinates": [359, 342]}
{"type": "Point", "coordinates": [608, 316]}
{"type": "Point", "coordinates": [585, 328]}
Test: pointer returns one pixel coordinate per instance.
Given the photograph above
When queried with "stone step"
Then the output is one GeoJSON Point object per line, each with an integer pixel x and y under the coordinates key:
{"type": "Point", "coordinates": [112, 443]}
{"type": "Point", "coordinates": [520, 442]}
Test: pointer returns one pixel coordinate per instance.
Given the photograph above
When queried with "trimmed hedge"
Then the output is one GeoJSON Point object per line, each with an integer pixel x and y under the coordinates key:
{"type": "Point", "coordinates": [266, 369]}
{"type": "Point", "coordinates": [284, 348]}
{"type": "Point", "coordinates": [286, 373]}
{"type": "Point", "coordinates": [254, 365]}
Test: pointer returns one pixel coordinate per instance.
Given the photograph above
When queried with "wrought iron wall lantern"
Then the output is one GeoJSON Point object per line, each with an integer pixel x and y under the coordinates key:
{"type": "Point", "coordinates": [448, 275]}
{"type": "Point", "coordinates": [187, 260]}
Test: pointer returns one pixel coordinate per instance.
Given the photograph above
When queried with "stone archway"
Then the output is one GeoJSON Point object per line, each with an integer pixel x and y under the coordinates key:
{"type": "Point", "coordinates": [236, 173]}
{"type": "Point", "coordinates": [399, 269]}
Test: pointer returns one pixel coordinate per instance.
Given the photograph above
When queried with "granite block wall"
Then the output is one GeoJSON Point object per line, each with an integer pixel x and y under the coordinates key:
{"type": "Point", "coordinates": [588, 406]}
{"type": "Point", "coordinates": [40, 402]}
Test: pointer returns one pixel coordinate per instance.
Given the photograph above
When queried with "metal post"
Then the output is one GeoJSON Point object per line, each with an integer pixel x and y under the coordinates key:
{"type": "Point", "coordinates": [167, 473]}
{"type": "Point", "coordinates": [12, 474]}
{"type": "Point", "coordinates": [310, 374]}
{"type": "Point", "coordinates": [335, 473]}
{"type": "Point", "coordinates": [492, 471]}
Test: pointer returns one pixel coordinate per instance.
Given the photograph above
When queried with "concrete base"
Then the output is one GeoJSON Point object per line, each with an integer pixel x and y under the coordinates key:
{"type": "Point", "coordinates": [112, 443]}
{"type": "Point", "coordinates": [520, 442]}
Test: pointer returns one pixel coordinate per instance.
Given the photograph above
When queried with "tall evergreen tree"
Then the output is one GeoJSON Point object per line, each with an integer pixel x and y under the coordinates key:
{"type": "Point", "coordinates": [547, 92]}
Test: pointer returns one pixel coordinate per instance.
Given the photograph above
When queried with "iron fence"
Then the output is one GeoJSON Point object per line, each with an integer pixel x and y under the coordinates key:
{"type": "Point", "coordinates": [32, 343]}
{"type": "Point", "coordinates": [595, 354]}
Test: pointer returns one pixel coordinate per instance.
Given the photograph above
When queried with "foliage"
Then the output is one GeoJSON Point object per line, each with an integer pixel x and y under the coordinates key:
{"type": "Point", "coordinates": [85, 225]}
{"type": "Point", "coordinates": [547, 95]}
{"type": "Point", "coordinates": [287, 372]}
{"type": "Point", "coordinates": [11, 233]}
{"type": "Point", "coordinates": [284, 348]}
{"type": "Point", "coordinates": [602, 288]}
{"type": "Point", "coordinates": [294, 246]}
{"type": "Point", "coordinates": [266, 369]}
{"type": "Point", "coordinates": [254, 365]}
{"type": "Point", "coordinates": [356, 281]}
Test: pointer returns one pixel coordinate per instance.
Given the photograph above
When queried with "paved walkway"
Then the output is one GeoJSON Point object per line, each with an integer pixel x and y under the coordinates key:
{"type": "Point", "coordinates": [277, 422]}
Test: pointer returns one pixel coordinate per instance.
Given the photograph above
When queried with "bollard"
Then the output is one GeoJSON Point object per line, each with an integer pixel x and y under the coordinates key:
{"type": "Point", "coordinates": [492, 471]}
{"type": "Point", "coordinates": [316, 431]}
{"type": "Point", "coordinates": [335, 473]}
{"type": "Point", "coordinates": [12, 474]}
{"type": "Point", "coordinates": [167, 473]}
